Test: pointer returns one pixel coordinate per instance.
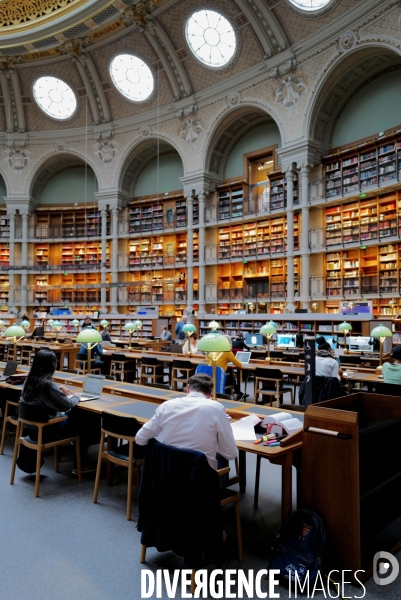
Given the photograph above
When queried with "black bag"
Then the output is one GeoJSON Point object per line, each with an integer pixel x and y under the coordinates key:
{"type": "Point", "coordinates": [26, 460]}
{"type": "Point", "coordinates": [297, 547]}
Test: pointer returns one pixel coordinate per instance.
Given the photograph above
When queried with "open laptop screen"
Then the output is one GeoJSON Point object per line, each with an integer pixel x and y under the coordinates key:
{"type": "Point", "coordinates": [243, 357]}
{"type": "Point", "coordinates": [93, 384]}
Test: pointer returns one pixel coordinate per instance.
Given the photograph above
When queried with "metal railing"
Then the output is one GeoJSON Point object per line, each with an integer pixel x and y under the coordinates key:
{"type": "Point", "coordinates": [356, 285]}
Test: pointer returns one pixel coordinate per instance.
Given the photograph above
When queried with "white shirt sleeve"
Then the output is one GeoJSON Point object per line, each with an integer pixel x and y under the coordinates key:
{"type": "Point", "coordinates": [226, 445]}
{"type": "Point", "coordinates": [150, 430]}
{"type": "Point", "coordinates": [335, 369]}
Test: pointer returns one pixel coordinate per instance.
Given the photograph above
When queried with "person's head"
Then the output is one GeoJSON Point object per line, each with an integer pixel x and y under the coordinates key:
{"type": "Point", "coordinates": [325, 350]}
{"type": "Point", "coordinates": [396, 353]}
{"type": "Point", "coordinates": [87, 320]}
{"type": "Point", "coordinates": [42, 370]}
{"type": "Point", "coordinates": [213, 310]}
{"type": "Point", "coordinates": [164, 328]}
{"type": "Point", "coordinates": [201, 383]}
{"type": "Point", "coordinates": [185, 318]}
{"type": "Point", "coordinates": [193, 337]}
{"type": "Point", "coordinates": [320, 340]}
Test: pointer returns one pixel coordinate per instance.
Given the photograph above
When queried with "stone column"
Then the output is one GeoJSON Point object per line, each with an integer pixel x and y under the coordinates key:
{"type": "Point", "coordinates": [24, 246]}
{"type": "Point", "coordinates": [103, 268]}
{"type": "Point", "coordinates": [201, 278]}
{"type": "Point", "coordinates": [114, 260]}
{"type": "Point", "coordinates": [290, 234]}
{"type": "Point", "coordinates": [190, 249]}
{"type": "Point", "coordinates": [11, 279]}
{"type": "Point", "coordinates": [305, 251]}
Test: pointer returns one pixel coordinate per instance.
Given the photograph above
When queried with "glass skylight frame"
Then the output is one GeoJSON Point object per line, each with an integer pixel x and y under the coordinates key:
{"type": "Point", "coordinates": [195, 27]}
{"type": "Point", "coordinates": [310, 6]}
{"type": "Point", "coordinates": [59, 93]}
{"type": "Point", "coordinates": [123, 84]}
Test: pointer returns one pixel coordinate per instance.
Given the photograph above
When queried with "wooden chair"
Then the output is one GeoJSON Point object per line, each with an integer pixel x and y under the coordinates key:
{"type": "Point", "coordinates": [10, 413]}
{"type": "Point", "coordinates": [36, 417]}
{"type": "Point", "coordinates": [389, 389]}
{"type": "Point", "coordinates": [151, 368]}
{"type": "Point", "coordinates": [120, 366]}
{"type": "Point", "coordinates": [81, 365]}
{"type": "Point", "coordinates": [272, 381]}
{"type": "Point", "coordinates": [10, 352]}
{"type": "Point", "coordinates": [178, 366]}
{"type": "Point", "coordinates": [118, 428]}
{"type": "Point", "coordinates": [228, 496]}
{"type": "Point", "coordinates": [27, 354]}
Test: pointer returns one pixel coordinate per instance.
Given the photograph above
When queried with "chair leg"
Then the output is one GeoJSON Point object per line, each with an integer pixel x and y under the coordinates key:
{"type": "Point", "coordinates": [15, 454]}
{"type": "Point", "coordinates": [56, 458]}
{"type": "Point", "coordinates": [38, 465]}
{"type": "Point", "coordinates": [3, 437]}
{"type": "Point", "coordinates": [98, 469]}
{"type": "Point", "coordinates": [239, 530]}
{"type": "Point", "coordinates": [130, 469]}
{"type": "Point", "coordinates": [78, 455]}
{"type": "Point", "coordinates": [257, 479]}
{"type": "Point", "coordinates": [142, 558]}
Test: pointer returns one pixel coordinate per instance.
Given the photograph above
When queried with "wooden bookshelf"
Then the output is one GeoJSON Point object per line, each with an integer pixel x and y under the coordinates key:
{"type": "Point", "coordinates": [4, 290]}
{"type": "Point", "coordinates": [158, 213]}
{"type": "Point", "coordinates": [4, 226]}
{"type": "Point", "coordinates": [42, 255]}
{"type": "Point", "coordinates": [278, 191]}
{"type": "Point", "coordinates": [4, 255]}
{"type": "Point", "coordinates": [83, 254]}
{"type": "Point", "coordinates": [41, 289]}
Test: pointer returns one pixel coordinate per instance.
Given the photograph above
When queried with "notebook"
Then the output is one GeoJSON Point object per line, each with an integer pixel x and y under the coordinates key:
{"type": "Point", "coordinates": [10, 369]}
{"type": "Point", "coordinates": [244, 357]}
{"type": "Point", "coordinates": [93, 386]}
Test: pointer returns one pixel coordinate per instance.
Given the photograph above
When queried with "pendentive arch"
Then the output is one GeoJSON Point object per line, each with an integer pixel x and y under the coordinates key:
{"type": "Point", "coordinates": [139, 156]}
{"type": "Point", "coordinates": [349, 74]}
{"type": "Point", "coordinates": [228, 130]}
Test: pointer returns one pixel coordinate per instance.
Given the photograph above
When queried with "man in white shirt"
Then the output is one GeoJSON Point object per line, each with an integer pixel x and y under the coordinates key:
{"type": "Point", "coordinates": [194, 422]}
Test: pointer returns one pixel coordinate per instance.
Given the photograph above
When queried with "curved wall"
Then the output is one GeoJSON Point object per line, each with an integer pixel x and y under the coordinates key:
{"type": "Point", "coordinates": [70, 186]}
{"type": "Point", "coordinates": [260, 137]}
{"type": "Point", "coordinates": [375, 108]}
{"type": "Point", "coordinates": [156, 179]}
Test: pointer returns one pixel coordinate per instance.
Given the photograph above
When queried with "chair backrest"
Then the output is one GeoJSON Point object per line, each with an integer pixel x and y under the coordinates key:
{"type": "Point", "coordinates": [389, 389]}
{"type": "Point", "coordinates": [268, 373]}
{"type": "Point", "coordinates": [160, 386]}
{"type": "Point", "coordinates": [33, 412]}
{"type": "Point", "coordinates": [220, 376]}
{"type": "Point", "coordinates": [26, 348]}
{"type": "Point", "coordinates": [350, 360]}
{"type": "Point", "coordinates": [150, 361]}
{"type": "Point", "coordinates": [119, 425]}
{"type": "Point", "coordinates": [276, 354]}
{"type": "Point", "coordinates": [175, 349]}
{"type": "Point", "coordinates": [182, 364]}
{"type": "Point", "coordinates": [118, 357]}
{"type": "Point", "coordinates": [80, 356]}
{"type": "Point", "coordinates": [179, 504]}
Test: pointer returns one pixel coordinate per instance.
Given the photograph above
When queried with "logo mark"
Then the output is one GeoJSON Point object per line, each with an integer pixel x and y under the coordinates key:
{"type": "Point", "coordinates": [385, 568]}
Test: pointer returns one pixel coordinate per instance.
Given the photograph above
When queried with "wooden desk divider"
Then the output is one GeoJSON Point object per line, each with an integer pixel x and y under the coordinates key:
{"type": "Point", "coordinates": [354, 481]}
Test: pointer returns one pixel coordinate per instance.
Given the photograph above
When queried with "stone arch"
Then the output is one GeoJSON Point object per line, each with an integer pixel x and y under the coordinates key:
{"type": "Point", "coordinates": [51, 165]}
{"type": "Point", "coordinates": [341, 81]}
{"type": "Point", "coordinates": [229, 127]}
{"type": "Point", "coordinates": [138, 156]}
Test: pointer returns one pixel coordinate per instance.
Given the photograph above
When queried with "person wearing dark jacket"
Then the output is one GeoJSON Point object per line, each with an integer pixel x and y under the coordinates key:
{"type": "Point", "coordinates": [40, 390]}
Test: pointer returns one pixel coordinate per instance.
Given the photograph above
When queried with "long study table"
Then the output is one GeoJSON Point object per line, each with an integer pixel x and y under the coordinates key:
{"type": "Point", "coordinates": [141, 402]}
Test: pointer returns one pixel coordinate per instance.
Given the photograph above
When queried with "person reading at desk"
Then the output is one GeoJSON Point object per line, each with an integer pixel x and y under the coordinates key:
{"type": "Point", "coordinates": [193, 422]}
{"type": "Point", "coordinates": [392, 371]}
{"type": "Point", "coordinates": [223, 361]}
{"type": "Point", "coordinates": [193, 341]}
{"type": "Point", "coordinates": [96, 357]}
{"type": "Point", "coordinates": [40, 390]}
{"type": "Point", "coordinates": [326, 364]}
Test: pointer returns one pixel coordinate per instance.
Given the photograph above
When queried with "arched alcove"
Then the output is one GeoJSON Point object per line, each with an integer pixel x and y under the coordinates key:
{"type": "Point", "coordinates": [3, 190]}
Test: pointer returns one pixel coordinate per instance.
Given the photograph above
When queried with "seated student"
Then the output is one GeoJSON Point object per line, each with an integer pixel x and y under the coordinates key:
{"type": "Point", "coordinates": [178, 420]}
{"type": "Point", "coordinates": [95, 354]}
{"type": "Point", "coordinates": [392, 371]}
{"type": "Point", "coordinates": [238, 343]}
{"type": "Point", "coordinates": [86, 323]}
{"type": "Point", "coordinates": [39, 389]}
{"type": "Point", "coordinates": [326, 364]}
{"type": "Point", "coordinates": [105, 333]}
{"type": "Point", "coordinates": [222, 361]}
{"type": "Point", "coordinates": [193, 340]}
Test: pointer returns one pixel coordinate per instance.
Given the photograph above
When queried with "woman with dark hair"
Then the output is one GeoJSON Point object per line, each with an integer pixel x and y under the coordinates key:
{"type": "Point", "coordinates": [326, 364]}
{"type": "Point", "coordinates": [193, 340]}
{"type": "Point", "coordinates": [40, 390]}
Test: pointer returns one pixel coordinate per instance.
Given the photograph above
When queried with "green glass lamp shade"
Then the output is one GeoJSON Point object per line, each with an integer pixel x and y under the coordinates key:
{"type": "Point", "coordinates": [267, 329]}
{"type": "Point", "coordinates": [214, 342]}
{"type": "Point", "coordinates": [1, 323]}
{"type": "Point", "coordinates": [15, 331]}
{"type": "Point", "coordinates": [57, 324]}
{"type": "Point", "coordinates": [75, 322]}
{"type": "Point", "coordinates": [214, 325]}
{"type": "Point", "coordinates": [381, 331]}
{"type": "Point", "coordinates": [275, 325]}
{"type": "Point", "coordinates": [130, 326]}
{"type": "Point", "coordinates": [344, 326]}
{"type": "Point", "coordinates": [138, 324]}
{"type": "Point", "coordinates": [25, 323]}
{"type": "Point", "coordinates": [103, 323]}
{"type": "Point", "coordinates": [50, 322]}
{"type": "Point", "coordinates": [89, 336]}
{"type": "Point", "coordinates": [189, 328]}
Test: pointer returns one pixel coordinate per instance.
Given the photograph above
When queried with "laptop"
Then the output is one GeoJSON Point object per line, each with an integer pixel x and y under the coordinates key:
{"type": "Point", "coordinates": [92, 389]}
{"type": "Point", "coordinates": [244, 357]}
{"type": "Point", "coordinates": [10, 369]}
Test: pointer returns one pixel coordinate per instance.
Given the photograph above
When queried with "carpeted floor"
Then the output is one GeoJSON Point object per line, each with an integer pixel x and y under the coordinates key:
{"type": "Point", "coordinates": [61, 546]}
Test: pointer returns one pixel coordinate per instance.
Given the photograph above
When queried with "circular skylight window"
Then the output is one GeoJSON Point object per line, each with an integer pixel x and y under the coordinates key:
{"type": "Point", "coordinates": [310, 4]}
{"type": "Point", "coordinates": [132, 77]}
{"type": "Point", "coordinates": [54, 97]}
{"type": "Point", "coordinates": [211, 38]}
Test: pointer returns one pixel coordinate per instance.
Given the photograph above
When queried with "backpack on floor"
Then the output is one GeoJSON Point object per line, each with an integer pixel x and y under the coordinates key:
{"type": "Point", "coordinates": [297, 547]}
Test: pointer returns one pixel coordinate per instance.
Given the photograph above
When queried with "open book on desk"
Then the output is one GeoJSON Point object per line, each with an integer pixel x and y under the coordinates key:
{"type": "Point", "coordinates": [283, 422]}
